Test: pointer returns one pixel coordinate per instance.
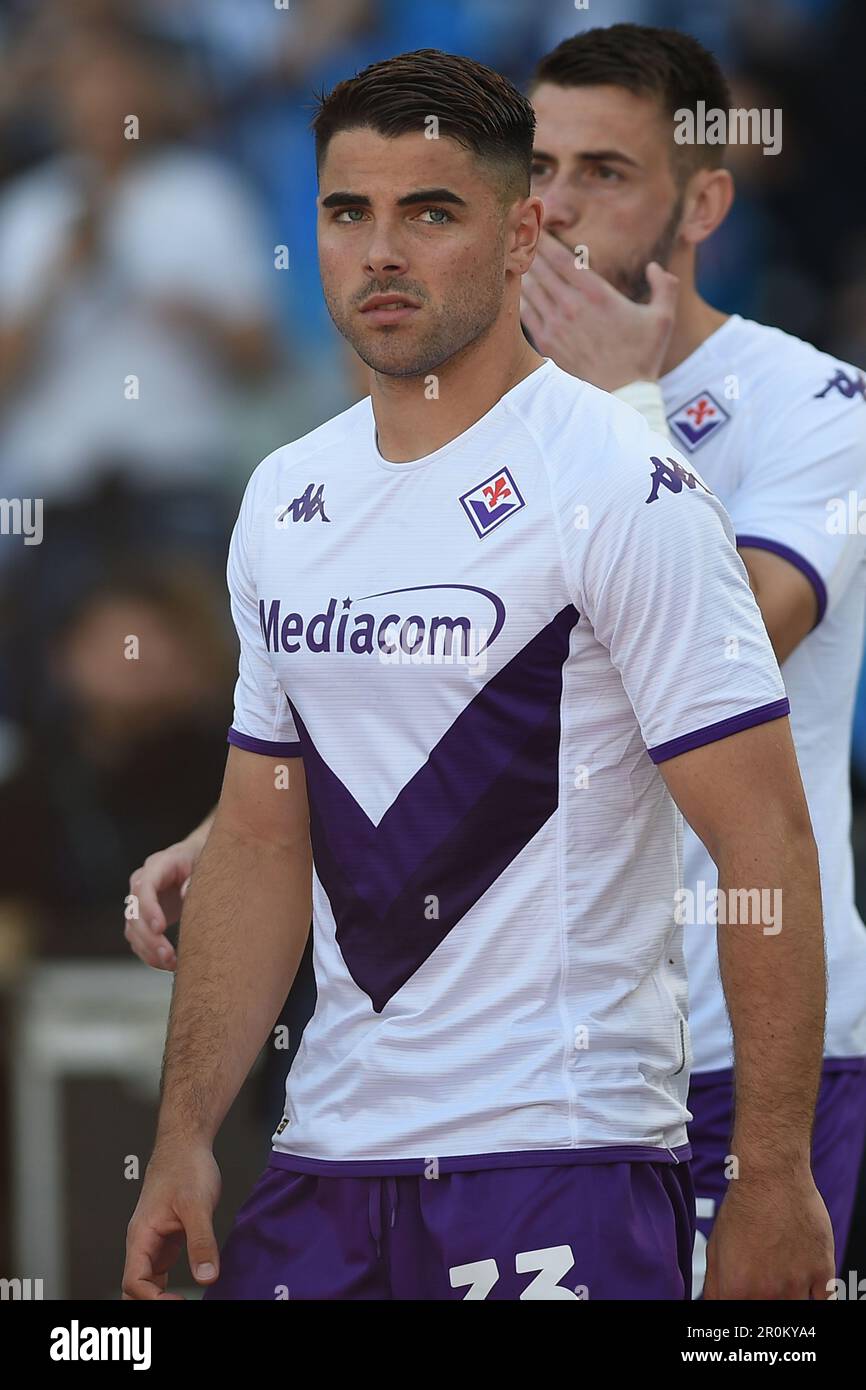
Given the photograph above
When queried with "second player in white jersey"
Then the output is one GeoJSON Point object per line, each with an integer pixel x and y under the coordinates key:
{"type": "Point", "coordinates": [778, 430]}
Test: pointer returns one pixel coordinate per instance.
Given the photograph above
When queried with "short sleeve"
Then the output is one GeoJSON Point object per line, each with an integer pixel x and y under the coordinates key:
{"type": "Point", "coordinates": [262, 721]}
{"type": "Point", "coordinates": [795, 498]}
{"type": "Point", "coordinates": [660, 580]}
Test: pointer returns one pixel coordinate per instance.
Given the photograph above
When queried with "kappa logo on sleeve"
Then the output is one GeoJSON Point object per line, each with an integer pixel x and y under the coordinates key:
{"type": "Point", "coordinates": [492, 502]}
{"type": "Point", "coordinates": [673, 476]}
{"type": "Point", "coordinates": [845, 385]}
{"type": "Point", "coordinates": [695, 421]}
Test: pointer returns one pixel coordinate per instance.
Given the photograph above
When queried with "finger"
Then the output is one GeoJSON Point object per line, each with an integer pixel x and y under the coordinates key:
{"type": "Point", "coordinates": [579, 275]}
{"type": "Point", "coordinates": [146, 884]}
{"type": "Point", "coordinates": [550, 282]}
{"type": "Point", "coordinates": [166, 957]}
{"type": "Point", "coordinates": [533, 297]}
{"type": "Point", "coordinates": [537, 282]}
{"type": "Point", "coordinates": [664, 288]}
{"type": "Point", "coordinates": [149, 1256]}
{"type": "Point", "coordinates": [559, 257]}
{"type": "Point", "coordinates": [142, 941]}
{"type": "Point", "coordinates": [201, 1246]}
{"type": "Point", "coordinates": [150, 948]}
{"type": "Point", "coordinates": [184, 886]}
{"type": "Point", "coordinates": [146, 1290]}
{"type": "Point", "coordinates": [162, 1295]}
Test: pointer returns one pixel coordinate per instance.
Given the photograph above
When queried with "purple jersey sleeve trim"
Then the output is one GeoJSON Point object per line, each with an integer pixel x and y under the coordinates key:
{"type": "Point", "coordinates": [725, 727]}
{"type": "Point", "coordinates": [794, 558]}
{"type": "Point", "coordinates": [468, 1163]}
{"type": "Point", "coordinates": [261, 745]}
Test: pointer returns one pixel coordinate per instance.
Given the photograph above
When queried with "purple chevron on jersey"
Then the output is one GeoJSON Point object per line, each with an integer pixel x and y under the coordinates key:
{"type": "Point", "coordinates": [487, 787]}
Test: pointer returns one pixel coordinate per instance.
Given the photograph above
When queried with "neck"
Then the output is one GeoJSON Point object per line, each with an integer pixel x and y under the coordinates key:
{"type": "Point", "coordinates": [694, 323]}
{"type": "Point", "coordinates": [417, 415]}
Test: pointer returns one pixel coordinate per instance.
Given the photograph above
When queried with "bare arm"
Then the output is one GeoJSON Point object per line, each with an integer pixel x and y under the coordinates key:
{"type": "Point", "coordinates": [785, 597]}
{"type": "Point", "coordinates": [245, 922]}
{"type": "Point", "coordinates": [243, 930]}
{"type": "Point", "coordinates": [744, 798]}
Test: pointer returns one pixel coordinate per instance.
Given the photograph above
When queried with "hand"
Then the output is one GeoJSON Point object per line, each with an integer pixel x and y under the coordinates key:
{"type": "Point", "coordinates": [588, 327]}
{"type": "Point", "coordinates": [772, 1239]}
{"type": "Point", "coordinates": [160, 886]}
{"type": "Point", "coordinates": [182, 1186]}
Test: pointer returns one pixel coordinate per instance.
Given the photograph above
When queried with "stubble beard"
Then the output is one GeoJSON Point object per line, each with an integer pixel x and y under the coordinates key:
{"type": "Point", "coordinates": [631, 280]}
{"type": "Point", "coordinates": [464, 319]}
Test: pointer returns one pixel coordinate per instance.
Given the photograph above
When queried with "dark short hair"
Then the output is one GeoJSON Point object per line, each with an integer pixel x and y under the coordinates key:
{"type": "Point", "coordinates": [475, 106]}
{"type": "Point", "coordinates": [648, 61]}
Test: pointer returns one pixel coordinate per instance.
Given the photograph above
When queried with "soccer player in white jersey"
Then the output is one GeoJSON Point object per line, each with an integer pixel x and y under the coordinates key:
{"type": "Point", "coordinates": [778, 431]}
{"type": "Point", "coordinates": [484, 617]}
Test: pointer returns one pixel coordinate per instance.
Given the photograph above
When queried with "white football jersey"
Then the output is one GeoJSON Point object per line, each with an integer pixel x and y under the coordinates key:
{"type": "Point", "coordinates": [778, 431]}
{"type": "Point", "coordinates": [481, 656]}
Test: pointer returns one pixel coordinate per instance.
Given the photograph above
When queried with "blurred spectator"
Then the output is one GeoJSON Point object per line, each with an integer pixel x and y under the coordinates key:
{"type": "Point", "coordinates": [134, 280]}
{"type": "Point", "coordinates": [136, 676]}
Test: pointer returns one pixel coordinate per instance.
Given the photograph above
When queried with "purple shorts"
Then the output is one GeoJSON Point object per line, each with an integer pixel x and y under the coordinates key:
{"type": "Point", "coordinates": [837, 1147]}
{"type": "Point", "coordinates": [601, 1230]}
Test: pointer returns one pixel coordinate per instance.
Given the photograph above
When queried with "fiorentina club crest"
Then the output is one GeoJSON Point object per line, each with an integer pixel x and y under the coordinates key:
{"type": "Point", "coordinates": [492, 502]}
{"type": "Point", "coordinates": [695, 421]}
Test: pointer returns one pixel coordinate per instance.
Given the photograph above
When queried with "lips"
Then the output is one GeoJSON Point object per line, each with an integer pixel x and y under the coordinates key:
{"type": "Point", "coordinates": [388, 308]}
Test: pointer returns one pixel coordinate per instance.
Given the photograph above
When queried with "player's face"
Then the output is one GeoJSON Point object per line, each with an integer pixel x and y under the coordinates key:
{"type": "Point", "coordinates": [602, 165]}
{"type": "Point", "coordinates": [412, 248]}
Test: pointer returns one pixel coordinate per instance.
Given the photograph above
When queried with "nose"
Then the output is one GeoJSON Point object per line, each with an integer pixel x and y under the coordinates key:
{"type": "Point", "coordinates": [383, 254]}
{"type": "Point", "coordinates": [562, 210]}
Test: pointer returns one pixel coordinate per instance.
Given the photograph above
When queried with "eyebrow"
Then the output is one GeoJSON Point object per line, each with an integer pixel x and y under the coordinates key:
{"type": "Point", "coordinates": [340, 199]}
{"type": "Point", "coordinates": [422, 195]}
{"type": "Point", "coordinates": [431, 195]}
{"type": "Point", "coordinates": [591, 157]}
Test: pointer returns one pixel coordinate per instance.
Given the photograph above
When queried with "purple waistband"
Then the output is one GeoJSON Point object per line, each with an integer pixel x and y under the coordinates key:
{"type": "Point", "coordinates": [467, 1163]}
{"type": "Point", "coordinates": [725, 1075]}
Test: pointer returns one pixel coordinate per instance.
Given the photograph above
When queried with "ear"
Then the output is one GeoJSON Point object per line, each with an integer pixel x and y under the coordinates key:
{"type": "Point", "coordinates": [709, 195]}
{"type": "Point", "coordinates": [524, 223]}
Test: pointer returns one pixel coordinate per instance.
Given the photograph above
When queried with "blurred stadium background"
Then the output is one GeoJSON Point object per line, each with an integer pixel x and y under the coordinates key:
{"type": "Point", "coordinates": [161, 329]}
